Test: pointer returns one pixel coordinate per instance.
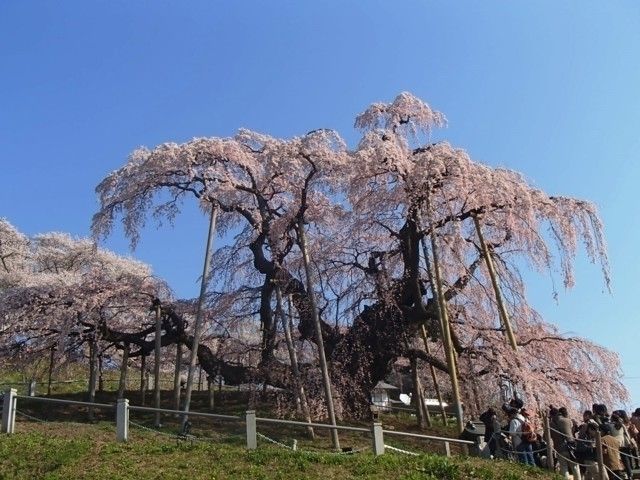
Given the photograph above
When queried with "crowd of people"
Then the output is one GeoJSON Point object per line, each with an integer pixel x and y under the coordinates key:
{"type": "Point", "coordinates": [520, 435]}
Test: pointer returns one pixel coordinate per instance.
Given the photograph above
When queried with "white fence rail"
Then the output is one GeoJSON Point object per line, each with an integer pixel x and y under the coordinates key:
{"type": "Point", "coordinates": [122, 409]}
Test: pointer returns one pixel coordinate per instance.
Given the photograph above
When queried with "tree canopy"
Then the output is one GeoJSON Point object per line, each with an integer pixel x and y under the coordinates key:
{"type": "Point", "coordinates": [369, 211]}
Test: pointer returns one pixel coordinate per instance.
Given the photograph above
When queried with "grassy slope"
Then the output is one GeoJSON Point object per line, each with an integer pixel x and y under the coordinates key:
{"type": "Point", "coordinates": [82, 451]}
{"type": "Point", "coordinates": [59, 449]}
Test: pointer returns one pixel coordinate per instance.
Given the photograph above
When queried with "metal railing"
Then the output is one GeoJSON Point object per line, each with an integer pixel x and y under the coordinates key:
{"type": "Point", "coordinates": [67, 402]}
{"type": "Point", "coordinates": [250, 420]}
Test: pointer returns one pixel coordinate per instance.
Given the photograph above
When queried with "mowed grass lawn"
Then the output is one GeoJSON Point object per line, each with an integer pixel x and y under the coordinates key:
{"type": "Point", "coordinates": [85, 451]}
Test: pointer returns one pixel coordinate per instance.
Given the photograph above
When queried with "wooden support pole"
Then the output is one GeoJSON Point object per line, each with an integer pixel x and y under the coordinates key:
{"type": "Point", "coordinates": [600, 457]}
{"type": "Point", "coordinates": [156, 365]}
{"type": "Point", "coordinates": [319, 340]}
{"type": "Point", "coordinates": [143, 378]}
{"type": "Point", "coordinates": [549, 442]}
{"type": "Point", "coordinates": [51, 363]}
{"type": "Point", "coordinates": [210, 392]}
{"type": "Point", "coordinates": [423, 329]}
{"type": "Point", "coordinates": [446, 336]}
{"type": "Point", "coordinates": [198, 321]}
{"type": "Point", "coordinates": [176, 377]}
{"type": "Point", "coordinates": [502, 309]}
{"type": "Point", "coordinates": [425, 340]}
{"type": "Point", "coordinates": [300, 394]}
{"type": "Point", "coordinates": [422, 415]}
{"type": "Point", "coordinates": [123, 371]}
{"type": "Point", "coordinates": [93, 374]}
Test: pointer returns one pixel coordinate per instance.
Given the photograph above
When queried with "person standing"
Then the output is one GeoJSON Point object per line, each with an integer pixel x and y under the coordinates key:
{"type": "Point", "coordinates": [611, 454]}
{"type": "Point", "coordinates": [528, 438]}
{"type": "Point", "coordinates": [516, 421]}
{"type": "Point", "coordinates": [619, 431]}
{"type": "Point", "coordinates": [564, 442]}
{"type": "Point", "coordinates": [592, 471]}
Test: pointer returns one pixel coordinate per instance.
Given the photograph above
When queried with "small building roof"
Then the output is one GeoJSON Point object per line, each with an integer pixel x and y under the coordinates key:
{"type": "Point", "coordinates": [384, 386]}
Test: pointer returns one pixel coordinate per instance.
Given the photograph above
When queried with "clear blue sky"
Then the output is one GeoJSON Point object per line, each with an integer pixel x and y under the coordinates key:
{"type": "Point", "coordinates": [547, 88]}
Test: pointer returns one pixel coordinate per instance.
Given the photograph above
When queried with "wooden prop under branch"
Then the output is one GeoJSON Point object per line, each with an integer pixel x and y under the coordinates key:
{"type": "Point", "coordinates": [502, 310]}
{"type": "Point", "coordinates": [446, 335]}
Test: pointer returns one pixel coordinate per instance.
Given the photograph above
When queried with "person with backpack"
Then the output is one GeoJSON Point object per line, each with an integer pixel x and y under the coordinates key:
{"type": "Point", "coordinates": [521, 442]}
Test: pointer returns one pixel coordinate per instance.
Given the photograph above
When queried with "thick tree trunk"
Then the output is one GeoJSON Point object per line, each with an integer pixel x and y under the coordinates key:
{"type": "Point", "coordinates": [360, 355]}
{"type": "Point", "coordinates": [122, 386]}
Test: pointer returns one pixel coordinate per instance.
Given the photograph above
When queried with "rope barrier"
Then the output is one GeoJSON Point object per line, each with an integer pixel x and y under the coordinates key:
{"type": "Point", "coordinates": [635, 457]}
{"type": "Point", "coordinates": [275, 442]}
{"type": "Point", "coordinates": [41, 420]}
{"type": "Point", "coordinates": [30, 417]}
{"type": "Point", "coordinates": [569, 459]}
{"type": "Point", "coordinates": [571, 437]}
{"type": "Point", "coordinates": [309, 452]}
{"type": "Point", "coordinates": [174, 436]}
{"type": "Point", "coordinates": [613, 473]}
{"type": "Point", "coordinates": [515, 452]}
{"type": "Point", "coordinates": [399, 450]}
{"type": "Point", "coordinates": [158, 432]}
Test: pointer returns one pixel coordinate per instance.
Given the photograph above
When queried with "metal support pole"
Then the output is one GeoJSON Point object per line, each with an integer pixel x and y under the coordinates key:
{"type": "Point", "coordinates": [9, 411]}
{"type": "Point", "coordinates": [252, 436]}
{"type": "Point", "coordinates": [122, 420]}
{"type": "Point", "coordinates": [378, 438]}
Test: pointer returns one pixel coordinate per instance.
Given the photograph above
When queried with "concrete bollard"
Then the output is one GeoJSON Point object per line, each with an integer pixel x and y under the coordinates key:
{"type": "Point", "coordinates": [378, 438]}
{"type": "Point", "coordinates": [9, 411]}
{"type": "Point", "coordinates": [252, 434]}
{"type": "Point", "coordinates": [32, 388]}
{"type": "Point", "coordinates": [122, 420]}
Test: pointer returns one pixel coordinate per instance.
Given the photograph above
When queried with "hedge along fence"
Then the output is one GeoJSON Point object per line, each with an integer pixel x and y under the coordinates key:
{"type": "Point", "coordinates": [250, 420]}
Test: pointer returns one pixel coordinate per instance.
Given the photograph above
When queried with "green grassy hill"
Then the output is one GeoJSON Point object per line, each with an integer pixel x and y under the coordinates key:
{"type": "Point", "coordinates": [82, 451]}
{"type": "Point", "coordinates": [58, 442]}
